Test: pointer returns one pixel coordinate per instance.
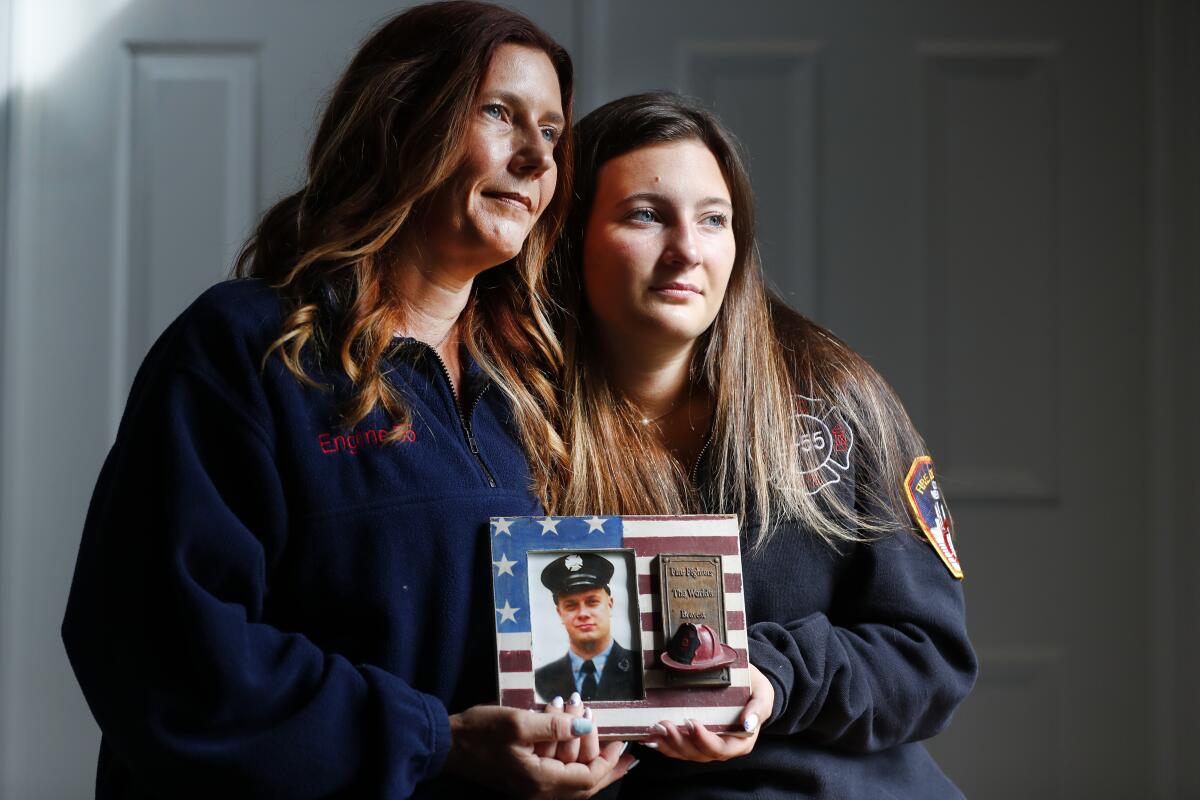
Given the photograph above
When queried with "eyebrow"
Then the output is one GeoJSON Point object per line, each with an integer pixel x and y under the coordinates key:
{"type": "Point", "coordinates": [662, 198]}
{"type": "Point", "coordinates": [552, 117]}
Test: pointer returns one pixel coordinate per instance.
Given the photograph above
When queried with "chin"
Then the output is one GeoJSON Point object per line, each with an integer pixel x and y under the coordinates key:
{"type": "Point", "coordinates": [502, 239]}
{"type": "Point", "coordinates": [672, 331]}
{"type": "Point", "coordinates": [499, 252]}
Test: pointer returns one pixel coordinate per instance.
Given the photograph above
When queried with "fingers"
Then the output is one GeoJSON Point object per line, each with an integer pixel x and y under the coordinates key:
{"type": "Point", "coordinates": [693, 742]}
{"type": "Point", "coordinates": [584, 748]}
{"type": "Point", "coordinates": [568, 751]}
{"type": "Point", "coordinates": [580, 779]}
{"type": "Point", "coordinates": [671, 742]}
{"type": "Point", "coordinates": [624, 763]}
{"type": "Point", "coordinates": [613, 751]}
{"type": "Point", "coordinates": [761, 703]}
{"type": "Point", "coordinates": [713, 747]}
{"type": "Point", "coordinates": [557, 779]}
{"type": "Point", "coordinates": [501, 744]}
{"type": "Point", "coordinates": [546, 749]}
{"type": "Point", "coordinates": [589, 744]}
{"type": "Point", "coordinates": [555, 726]}
{"type": "Point", "coordinates": [756, 710]}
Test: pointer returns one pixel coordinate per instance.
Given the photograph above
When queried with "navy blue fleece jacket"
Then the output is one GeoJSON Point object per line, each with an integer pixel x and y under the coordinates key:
{"type": "Point", "coordinates": [868, 654]}
{"type": "Point", "coordinates": [268, 606]}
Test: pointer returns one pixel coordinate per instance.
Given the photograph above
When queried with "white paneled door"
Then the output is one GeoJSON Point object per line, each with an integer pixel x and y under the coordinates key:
{"type": "Point", "coordinates": [956, 189]}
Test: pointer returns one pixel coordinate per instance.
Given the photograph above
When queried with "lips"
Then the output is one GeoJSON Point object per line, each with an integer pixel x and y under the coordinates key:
{"type": "Point", "coordinates": [677, 288]}
{"type": "Point", "coordinates": [512, 198]}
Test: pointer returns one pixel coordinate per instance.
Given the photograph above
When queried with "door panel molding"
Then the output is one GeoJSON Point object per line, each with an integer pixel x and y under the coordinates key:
{"type": "Point", "coordinates": [1016, 684]}
{"type": "Point", "coordinates": [188, 165]}
{"type": "Point", "coordinates": [772, 89]}
{"type": "Point", "coordinates": [990, 165]}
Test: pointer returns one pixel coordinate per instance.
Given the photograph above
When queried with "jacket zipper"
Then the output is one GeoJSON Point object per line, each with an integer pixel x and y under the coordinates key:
{"type": "Point", "coordinates": [700, 457]}
{"type": "Point", "coordinates": [464, 420]}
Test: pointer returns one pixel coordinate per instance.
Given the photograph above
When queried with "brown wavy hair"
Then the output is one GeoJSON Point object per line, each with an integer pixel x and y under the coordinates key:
{"type": "Point", "coordinates": [755, 360]}
{"type": "Point", "coordinates": [393, 130]}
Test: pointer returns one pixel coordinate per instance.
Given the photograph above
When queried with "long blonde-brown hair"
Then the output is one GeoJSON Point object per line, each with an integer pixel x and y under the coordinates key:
{"type": "Point", "coordinates": [761, 362]}
{"type": "Point", "coordinates": [392, 132]}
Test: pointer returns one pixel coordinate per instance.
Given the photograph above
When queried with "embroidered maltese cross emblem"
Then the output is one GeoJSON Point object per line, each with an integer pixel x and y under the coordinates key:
{"type": "Point", "coordinates": [825, 442]}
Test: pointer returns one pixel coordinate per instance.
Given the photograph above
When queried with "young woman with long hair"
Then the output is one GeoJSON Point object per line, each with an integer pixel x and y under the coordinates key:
{"type": "Point", "coordinates": [282, 589]}
{"type": "Point", "coordinates": [689, 388]}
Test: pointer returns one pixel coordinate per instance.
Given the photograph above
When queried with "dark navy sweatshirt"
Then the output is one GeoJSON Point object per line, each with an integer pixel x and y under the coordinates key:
{"type": "Point", "coordinates": [866, 648]}
{"type": "Point", "coordinates": [266, 605]}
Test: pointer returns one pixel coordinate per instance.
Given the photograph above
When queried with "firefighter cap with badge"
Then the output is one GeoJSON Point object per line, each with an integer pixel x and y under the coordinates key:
{"type": "Point", "coordinates": [577, 572]}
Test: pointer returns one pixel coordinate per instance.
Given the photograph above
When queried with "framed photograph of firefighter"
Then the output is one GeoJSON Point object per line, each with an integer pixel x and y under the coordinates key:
{"type": "Point", "coordinates": [643, 616]}
{"type": "Point", "coordinates": [583, 615]}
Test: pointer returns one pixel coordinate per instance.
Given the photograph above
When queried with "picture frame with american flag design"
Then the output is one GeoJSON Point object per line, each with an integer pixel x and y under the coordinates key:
{"type": "Point", "coordinates": [559, 582]}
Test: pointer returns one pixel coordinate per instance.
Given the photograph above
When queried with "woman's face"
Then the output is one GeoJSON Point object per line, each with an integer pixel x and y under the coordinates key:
{"type": "Point", "coordinates": [659, 247]}
{"type": "Point", "coordinates": [483, 213]}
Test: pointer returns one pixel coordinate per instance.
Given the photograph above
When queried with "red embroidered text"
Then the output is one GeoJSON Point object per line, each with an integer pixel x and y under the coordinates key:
{"type": "Point", "coordinates": [331, 443]}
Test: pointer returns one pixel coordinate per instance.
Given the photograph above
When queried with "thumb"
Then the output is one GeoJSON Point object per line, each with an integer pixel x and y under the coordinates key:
{"type": "Point", "coordinates": [553, 727]}
{"type": "Point", "coordinates": [761, 702]}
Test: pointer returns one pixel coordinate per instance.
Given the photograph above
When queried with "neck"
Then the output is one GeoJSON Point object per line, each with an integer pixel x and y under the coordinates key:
{"type": "Point", "coordinates": [589, 650]}
{"type": "Point", "coordinates": [656, 379]}
{"type": "Point", "coordinates": [429, 299]}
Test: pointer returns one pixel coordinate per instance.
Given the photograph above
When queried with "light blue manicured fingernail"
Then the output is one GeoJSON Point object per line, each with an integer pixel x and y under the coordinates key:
{"type": "Point", "coordinates": [659, 729]}
{"type": "Point", "coordinates": [750, 723]}
{"type": "Point", "coordinates": [581, 726]}
{"type": "Point", "coordinates": [624, 747]}
{"type": "Point", "coordinates": [575, 699]}
{"type": "Point", "coordinates": [556, 702]}
{"type": "Point", "coordinates": [634, 764]}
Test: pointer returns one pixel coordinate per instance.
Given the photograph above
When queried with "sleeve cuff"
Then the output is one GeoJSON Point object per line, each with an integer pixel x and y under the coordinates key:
{"type": "Point", "coordinates": [763, 656]}
{"type": "Point", "coordinates": [439, 727]}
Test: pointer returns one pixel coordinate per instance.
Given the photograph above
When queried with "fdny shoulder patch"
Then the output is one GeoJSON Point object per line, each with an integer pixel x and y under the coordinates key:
{"type": "Point", "coordinates": [826, 437]}
{"type": "Point", "coordinates": [929, 508]}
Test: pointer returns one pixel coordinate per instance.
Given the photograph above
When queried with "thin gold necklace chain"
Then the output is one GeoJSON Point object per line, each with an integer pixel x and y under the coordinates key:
{"type": "Point", "coordinates": [650, 420]}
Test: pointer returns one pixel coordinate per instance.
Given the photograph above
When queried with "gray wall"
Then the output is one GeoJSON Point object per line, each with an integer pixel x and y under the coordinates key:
{"type": "Point", "coordinates": [1175, 246]}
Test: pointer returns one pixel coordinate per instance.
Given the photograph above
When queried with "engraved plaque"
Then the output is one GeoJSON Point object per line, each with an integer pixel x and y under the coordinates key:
{"type": "Point", "coordinates": [692, 589]}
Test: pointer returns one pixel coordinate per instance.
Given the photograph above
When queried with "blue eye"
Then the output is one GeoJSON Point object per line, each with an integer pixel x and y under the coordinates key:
{"type": "Point", "coordinates": [494, 110]}
{"type": "Point", "coordinates": [645, 215]}
{"type": "Point", "coordinates": [550, 135]}
{"type": "Point", "coordinates": [716, 220]}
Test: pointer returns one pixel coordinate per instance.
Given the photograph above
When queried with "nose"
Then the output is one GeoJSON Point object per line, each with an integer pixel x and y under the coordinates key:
{"type": "Point", "coordinates": [534, 156]}
{"type": "Point", "coordinates": [681, 249]}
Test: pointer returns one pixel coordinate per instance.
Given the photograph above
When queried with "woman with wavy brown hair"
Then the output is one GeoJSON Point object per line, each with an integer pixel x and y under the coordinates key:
{"type": "Point", "coordinates": [282, 589]}
{"type": "Point", "coordinates": [691, 389]}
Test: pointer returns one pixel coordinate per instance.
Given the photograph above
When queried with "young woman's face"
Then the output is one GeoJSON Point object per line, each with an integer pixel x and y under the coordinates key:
{"type": "Point", "coordinates": [659, 247]}
{"type": "Point", "coordinates": [483, 213]}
